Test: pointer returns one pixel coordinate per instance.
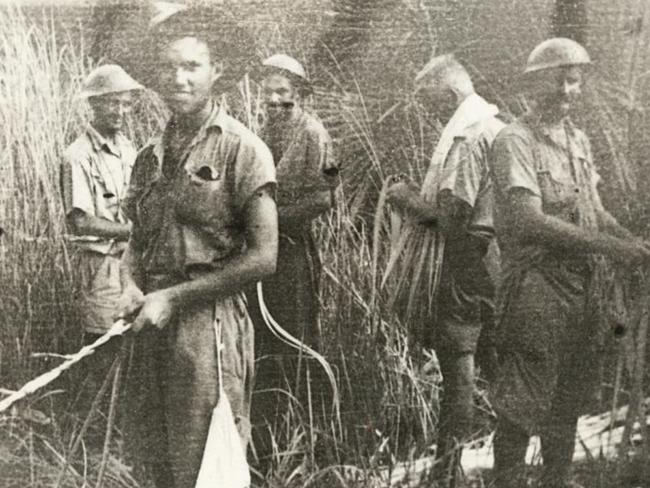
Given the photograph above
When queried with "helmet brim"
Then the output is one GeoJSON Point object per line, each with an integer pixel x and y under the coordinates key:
{"type": "Point", "coordinates": [227, 41]}
{"type": "Point", "coordinates": [304, 86]}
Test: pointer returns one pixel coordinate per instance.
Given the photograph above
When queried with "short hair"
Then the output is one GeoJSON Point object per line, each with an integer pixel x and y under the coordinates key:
{"type": "Point", "coordinates": [445, 70]}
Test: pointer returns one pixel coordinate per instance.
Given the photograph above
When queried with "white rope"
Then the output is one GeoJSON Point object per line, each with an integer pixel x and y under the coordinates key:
{"type": "Point", "coordinates": [117, 329]}
{"type": "Point", "coordinates": [291, 341]}
{"type": "Point", "coordinates": [121, 326]}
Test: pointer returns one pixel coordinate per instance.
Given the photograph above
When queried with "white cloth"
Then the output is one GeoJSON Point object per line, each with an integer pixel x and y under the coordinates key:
{"type": "Point", "coordinates": [472, 110]}
{"type": "Point", "coordinates": [224, 462]}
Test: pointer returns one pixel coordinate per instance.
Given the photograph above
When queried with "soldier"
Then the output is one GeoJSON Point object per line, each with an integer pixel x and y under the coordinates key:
{"type": "Point", "coordinates": [95, 178]}
{"type": "Point", "coordinates": [307, 177]}
{"type": "Point", "coordinates": [553, 231]}
{"type": "Point", "coordinates": [204, 226]}
{"type": "Point", "coordinates": [456, 200]}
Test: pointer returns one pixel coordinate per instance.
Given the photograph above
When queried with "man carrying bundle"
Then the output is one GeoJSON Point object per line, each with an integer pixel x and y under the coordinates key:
{"type": "Point", "coordinates": [555, 235]}
{"type": "Point", "coordinates": [307, 177]}
{"type": "Point", "coordinates": [95, 178]}
{"type": "Point", "coordinates": [456, 202]}
{"type": "Point", "coordinates": [204, 227]}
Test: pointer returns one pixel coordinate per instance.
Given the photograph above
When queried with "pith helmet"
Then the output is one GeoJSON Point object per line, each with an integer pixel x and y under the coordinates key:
{"type": "Point", "coordinates": [290, 65]}
{"type": "Point", "coordinates": [109, 78]}
{"type": "Point", "coordinates": [287, 63]}
{"type": "Point", "coordinates": [556, 52]}
{"type": "Point", "coordinates": [161, 11]}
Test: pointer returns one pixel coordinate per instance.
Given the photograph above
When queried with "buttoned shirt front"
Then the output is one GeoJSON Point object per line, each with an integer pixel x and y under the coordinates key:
{"type": "Point", "coordinates": [554, 164]}
{"type": "Point", "coordinates": [304, 157]}
{"type": "Point", "coordinates": [95, 178]}
{"type": "Point", "coordinates": [194, 216]}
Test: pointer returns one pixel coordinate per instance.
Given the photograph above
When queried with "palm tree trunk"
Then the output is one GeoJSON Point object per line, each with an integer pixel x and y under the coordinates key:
{"type": "Point", "coordinates": [570, 19]}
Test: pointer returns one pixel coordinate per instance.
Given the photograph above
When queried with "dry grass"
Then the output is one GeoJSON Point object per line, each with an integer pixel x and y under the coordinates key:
{"type": "Point", "coordinates": [388, 397]}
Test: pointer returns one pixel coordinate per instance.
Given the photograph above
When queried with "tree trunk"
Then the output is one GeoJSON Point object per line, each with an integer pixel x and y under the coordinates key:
{"type": "Point", "coordinates": [570, 19]}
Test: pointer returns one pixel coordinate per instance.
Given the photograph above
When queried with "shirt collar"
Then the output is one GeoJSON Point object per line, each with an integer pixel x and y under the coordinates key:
{"type": "Point", "coordinates": [550, 130]}
{"type": "Point", "coordinates": [216, 119]}
{"type": "Point", "coordinates": [100, 143]}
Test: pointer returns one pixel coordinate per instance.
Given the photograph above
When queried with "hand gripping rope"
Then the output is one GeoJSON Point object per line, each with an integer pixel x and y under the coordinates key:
{"type": "Point", "coordinates": [121, 327]}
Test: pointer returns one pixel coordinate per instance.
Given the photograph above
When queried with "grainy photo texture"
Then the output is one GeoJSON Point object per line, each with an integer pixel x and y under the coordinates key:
{"type": "Point", "coordinates": [324, 243]}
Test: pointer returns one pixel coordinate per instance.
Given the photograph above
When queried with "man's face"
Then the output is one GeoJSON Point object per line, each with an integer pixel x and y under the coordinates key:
{"type": "Point", "coordinates": [436, 99]}
{"type": "Point", "coordinates": [280, 96]}
{"type": "Point", "coordinates": [557, 91]}
{"type": "Point", "coordinates": [110, 110]}
{"type": "Point", "coordinates": [186, 75]}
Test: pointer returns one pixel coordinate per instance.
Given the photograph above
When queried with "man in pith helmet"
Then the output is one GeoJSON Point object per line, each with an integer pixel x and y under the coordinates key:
{"type": "Point", "coordinates": [307, 174]}
{"type": "Point", "coordinates": [95, 178]}
{"type": "Point", "coordinates": [455, 203]}
{"type": "Point", "coordinates": [554, 235]}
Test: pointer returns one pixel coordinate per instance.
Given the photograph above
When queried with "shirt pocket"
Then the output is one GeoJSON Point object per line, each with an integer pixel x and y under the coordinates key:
{"type": "Point", "coordinates": [559, 192]}
{"type": "Point", "coordinates": [202, 198]}
{"type": "Point", "coordinates": [106, 198]}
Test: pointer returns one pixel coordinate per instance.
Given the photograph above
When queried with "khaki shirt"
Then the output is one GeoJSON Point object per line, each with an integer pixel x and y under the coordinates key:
{"type": "Point", "coordinates": [554, 165]}
{"type": "Point", "coordinates": [466, 172]}
{"type": "Point", "coordinates": [304, 157]}
{"type": "Point", "coordinates": [195, 217]}
{"type": "Point", "coordinates": [95, 178]}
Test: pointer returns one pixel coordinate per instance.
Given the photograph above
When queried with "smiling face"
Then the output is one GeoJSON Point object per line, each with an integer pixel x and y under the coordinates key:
{"type": "Point", "coordinates": [110, 111]}
{"type": "Point", "coordinates": [557, 91]}
{"type": "Point", "coordinates": [187, 74]}
{"type": "Point", "coordinates": [280, 96]}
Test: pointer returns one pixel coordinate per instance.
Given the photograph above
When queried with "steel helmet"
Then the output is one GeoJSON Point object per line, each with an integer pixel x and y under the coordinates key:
{"type": "Point", "coordinates": [556, 52]}
{"type": "Point", "coordinates": [109, 78]}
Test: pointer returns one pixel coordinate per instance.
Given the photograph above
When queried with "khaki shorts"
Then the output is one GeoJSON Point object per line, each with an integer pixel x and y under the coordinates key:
{"type": "Point", "coordinates": [101, 291]}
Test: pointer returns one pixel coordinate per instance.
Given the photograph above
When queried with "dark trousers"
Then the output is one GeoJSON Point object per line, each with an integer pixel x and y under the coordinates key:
{"type": "Point", "coordinates": [456, 414]}
{"type": "Point", "coordinates": [558, 441]}
{"type": "Point", "coordinates": [464, 313]}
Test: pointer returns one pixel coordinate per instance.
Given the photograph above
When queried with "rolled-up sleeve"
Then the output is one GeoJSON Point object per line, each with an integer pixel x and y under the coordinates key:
{"type": "Point", "coordinates": [253, 170]}
{"type": "Point", "coordinates": [77, 185]}
{"type": "Point", "coordinates": [321, 160]}
{"type": "Point", "coordinates": [514, 165]}
{"type": "Point", "coordinates": [463, 172]}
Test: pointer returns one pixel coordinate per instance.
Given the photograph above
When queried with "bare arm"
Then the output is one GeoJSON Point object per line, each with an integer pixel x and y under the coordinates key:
{"type": "Point", "coordinates": [407, 198]}
{"type": "Point", "coordinates": [607, 223]}
{"type": "Point", "coordinates": [84, 224]}
{"type": "Point", "coordinates": [533, 225]}
{"type": "Point", "coordinates": [305, 209]}
{"type": "Point", "coordinates": [131, 280]}
{"type": "Point", "coordinates": [256, 262]}
{"type": "Point", "coordinates": [130, 272]}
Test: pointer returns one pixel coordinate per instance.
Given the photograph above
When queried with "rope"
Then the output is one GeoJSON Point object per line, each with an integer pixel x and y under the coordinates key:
{"type": "Point", "coordinates": [291, 341]}
{"type": "Point", "coordinates": [117, 329]}
{"type": "Point", "coordinates": [121, 326]}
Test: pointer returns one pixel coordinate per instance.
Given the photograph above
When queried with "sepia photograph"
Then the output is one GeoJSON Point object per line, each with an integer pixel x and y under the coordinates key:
{"type": "Point", "coordinates": [324, 244]}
